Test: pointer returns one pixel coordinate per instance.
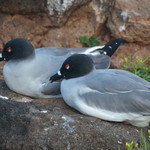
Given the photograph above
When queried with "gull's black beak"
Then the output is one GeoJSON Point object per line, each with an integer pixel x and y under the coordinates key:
{"type": "Point", "coordinates": [56, 77]}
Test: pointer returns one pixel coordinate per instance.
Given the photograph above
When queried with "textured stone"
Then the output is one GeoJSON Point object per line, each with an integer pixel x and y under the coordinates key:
{"type": "Point", "coordinates": [130, 20]}
{"type": "Point", "coordinates": [22, 6]}
{"type": "Point", "coordinates": [19, 26]}
{"type": "Point", "coordinates": [46, 124]}
{"type": "Point", "coordinates": [55, 11]}
{"type": "Point", "coordinates": [41, 29]}
{"type": "Point", "coordinates": [40, 33]}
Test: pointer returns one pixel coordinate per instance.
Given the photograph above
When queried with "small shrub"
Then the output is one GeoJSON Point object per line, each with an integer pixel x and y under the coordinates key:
{"type": "Point", "coordinates": [136, 67]}
{"type": "Point", "coordinates": [92, 41]}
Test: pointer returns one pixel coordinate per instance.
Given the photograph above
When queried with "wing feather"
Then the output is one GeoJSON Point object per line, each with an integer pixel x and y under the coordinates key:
{"type": "Point", "coordinates": [116, 91]}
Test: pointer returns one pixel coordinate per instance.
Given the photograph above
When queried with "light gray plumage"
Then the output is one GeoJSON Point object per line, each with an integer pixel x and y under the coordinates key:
{"type": "Point", "coordinates": [109, 94]}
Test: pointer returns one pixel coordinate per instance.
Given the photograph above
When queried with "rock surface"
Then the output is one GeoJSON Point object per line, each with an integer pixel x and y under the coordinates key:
{"type": "Point", "coordinates": [49, 124]}
{"type": "Point", "coordinates": [130, 19]}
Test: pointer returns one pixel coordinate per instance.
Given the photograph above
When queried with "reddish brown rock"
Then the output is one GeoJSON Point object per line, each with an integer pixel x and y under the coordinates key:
{"type": "Point", "coordinates": [130, 20]}
{"type": "Point", "coordinates": [48, 24]}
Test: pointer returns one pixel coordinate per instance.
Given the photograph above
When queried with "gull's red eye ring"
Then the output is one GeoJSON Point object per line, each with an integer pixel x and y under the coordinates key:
{"type": "Point", "coordinates": [8, 49]}
{"type": "Point", "coordinates": [67, 66]}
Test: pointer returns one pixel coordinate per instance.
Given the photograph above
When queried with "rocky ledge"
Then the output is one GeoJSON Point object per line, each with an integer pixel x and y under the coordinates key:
{"type": "Point", "coordinates": [47, 124]}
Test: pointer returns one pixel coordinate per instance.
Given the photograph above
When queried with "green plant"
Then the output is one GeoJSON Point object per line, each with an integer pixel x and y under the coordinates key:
{"type": "Point", "coordinates": [143, 145]}
{"type": "Point", "coordinates": [136, 67]}
{"type": "Point", "coordinates": [92, 41]}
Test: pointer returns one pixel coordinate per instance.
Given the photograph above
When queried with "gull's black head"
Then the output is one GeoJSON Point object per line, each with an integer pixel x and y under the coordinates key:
{"type": "Point", "coordinates": [18, 48]}
{"type": "Point", "coordinates": [75, 66]}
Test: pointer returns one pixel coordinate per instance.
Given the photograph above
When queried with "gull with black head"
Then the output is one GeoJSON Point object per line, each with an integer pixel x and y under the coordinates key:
{"type": "Point", "coordinates": [109, 94]}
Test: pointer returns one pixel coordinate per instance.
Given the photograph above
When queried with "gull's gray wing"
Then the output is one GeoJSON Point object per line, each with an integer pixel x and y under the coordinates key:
{"type": "Point", "coordinates": [101, 61]}
{"type": "Point", "coordinates": [52, 51]}
{"type": "Point", "coordinates": [52, 89]}
{"type": "Point", "coordinates": [99, 54]}
{"type": "Point", "coordinates": [116, 91]}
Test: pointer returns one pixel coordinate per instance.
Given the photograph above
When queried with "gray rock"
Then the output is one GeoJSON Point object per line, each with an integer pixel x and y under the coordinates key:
{"type": "Point", "coordinates": [37, 6]}
{"type": "Point", "coordinates": [60, 10]}
{"type": "Point", "coordinates": [22, 6]}
{"type": "Point", "coordinates": [49, 124]}
{"type": "Point", "coordinates": [60, 7]}
{"type": "Point", "coordinates": [57, 11]}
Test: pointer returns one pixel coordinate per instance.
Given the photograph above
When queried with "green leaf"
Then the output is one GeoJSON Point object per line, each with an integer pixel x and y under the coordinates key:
{"type": "Point", "coordinates": [84, 39]}
{"type": "Point", "coordinates": [92, 41]}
